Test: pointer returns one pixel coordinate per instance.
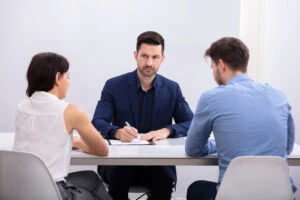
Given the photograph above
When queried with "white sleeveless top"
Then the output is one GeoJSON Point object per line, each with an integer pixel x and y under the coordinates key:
{"type": "Point", "coordinates": [40, 129]}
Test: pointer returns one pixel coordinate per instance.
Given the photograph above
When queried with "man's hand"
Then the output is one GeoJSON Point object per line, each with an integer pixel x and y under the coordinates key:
{"type": "Point", "coordinates": [126, 134]}
{"type": "Point", "coordinates": [156, 135]}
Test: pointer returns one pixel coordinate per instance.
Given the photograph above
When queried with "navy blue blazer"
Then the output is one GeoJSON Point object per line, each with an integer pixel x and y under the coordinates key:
{"type": "Point", "coordinates": [118, 103]}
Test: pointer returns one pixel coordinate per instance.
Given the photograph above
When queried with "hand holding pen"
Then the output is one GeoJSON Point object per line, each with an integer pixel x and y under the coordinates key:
{"type": "Point", "coordinates": [134, 129]}
{"type": "Point", "coordinates": [127, 133]}
{"type": "Point", "coordinates": [127, 124]}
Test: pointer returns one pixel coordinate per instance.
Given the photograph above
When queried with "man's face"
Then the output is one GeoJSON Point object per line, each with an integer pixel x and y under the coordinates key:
{"type": "Point", "coordinates": [217, 73]}
{"type": "Point", "coordinates": [149, 59]}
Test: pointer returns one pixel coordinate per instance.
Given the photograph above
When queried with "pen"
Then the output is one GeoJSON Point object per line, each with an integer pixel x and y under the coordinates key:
{"type": "Point", "coordinates": [127, 124]}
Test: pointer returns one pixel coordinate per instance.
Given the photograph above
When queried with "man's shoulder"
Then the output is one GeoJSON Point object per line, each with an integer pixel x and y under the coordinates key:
{"type": "Point", "coordinates": [275, 94]}
{"type": "Point", "coordinates": [162, 80]}
{"type": "Point", "coordinates": [273, 89]}
{"type": "Point", "coordinates": [215, 91]}
{"type": "Point", "coordinates": [121, 78]}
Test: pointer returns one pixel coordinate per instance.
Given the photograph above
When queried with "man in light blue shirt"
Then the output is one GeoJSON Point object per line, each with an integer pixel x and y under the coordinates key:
{"type": "Point", "coordinates": [246, 117]}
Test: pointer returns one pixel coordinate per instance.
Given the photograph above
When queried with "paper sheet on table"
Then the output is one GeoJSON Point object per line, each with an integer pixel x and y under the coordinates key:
{"type": "Point", "coordinates": [133, 142]}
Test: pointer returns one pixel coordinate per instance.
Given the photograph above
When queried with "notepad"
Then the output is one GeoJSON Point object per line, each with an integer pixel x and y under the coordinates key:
{"type": "Point", "coordinates": [136, 141]}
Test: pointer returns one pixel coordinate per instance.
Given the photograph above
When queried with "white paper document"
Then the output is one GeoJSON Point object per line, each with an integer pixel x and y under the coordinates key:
{"type": "Point", "coordinates": [133, 142]}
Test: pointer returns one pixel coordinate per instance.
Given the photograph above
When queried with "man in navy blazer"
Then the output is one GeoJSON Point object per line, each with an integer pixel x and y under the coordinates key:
{"type": "Point", "coordinates": [148, 102]}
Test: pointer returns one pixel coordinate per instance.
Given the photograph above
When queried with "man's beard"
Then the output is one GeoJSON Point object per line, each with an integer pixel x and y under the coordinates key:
{"type": "Point", "coordinates": [144, 72]}
{"type": "Point", "coordinates": [218, 78]}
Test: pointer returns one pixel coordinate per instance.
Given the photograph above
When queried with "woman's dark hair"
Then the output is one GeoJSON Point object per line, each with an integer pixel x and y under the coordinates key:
{"type": "Point", "coordinates": [152, 38]}
{"type": "Point", "coordinates": [42, 71]}
{"type": "Point", "coordinates": [232, 51]}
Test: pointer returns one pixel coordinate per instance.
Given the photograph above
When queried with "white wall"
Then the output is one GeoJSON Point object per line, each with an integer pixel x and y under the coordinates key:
{"type": "Point", "coordinates": [98, 37]}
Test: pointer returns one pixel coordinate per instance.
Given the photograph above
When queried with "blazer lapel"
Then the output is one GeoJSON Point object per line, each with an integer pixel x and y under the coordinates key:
{"type": "Point", "coordinates": [132, 92]}
{"type": "Point", "coordinates": [158, 98]}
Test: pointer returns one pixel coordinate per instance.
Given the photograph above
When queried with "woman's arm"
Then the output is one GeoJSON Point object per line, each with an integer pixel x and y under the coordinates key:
{"type": "Point", "coordinates": [91, 140]}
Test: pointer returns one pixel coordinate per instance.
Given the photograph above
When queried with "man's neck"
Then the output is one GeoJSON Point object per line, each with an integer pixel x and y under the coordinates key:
{"type": "Point", "coordinates": [146, 83]}
{"type": "Point", "coordinates": [232, 74]}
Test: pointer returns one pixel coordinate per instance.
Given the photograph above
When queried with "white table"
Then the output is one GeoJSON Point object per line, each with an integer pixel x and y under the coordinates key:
{"type": "Point", "coordinates": [165, 152]}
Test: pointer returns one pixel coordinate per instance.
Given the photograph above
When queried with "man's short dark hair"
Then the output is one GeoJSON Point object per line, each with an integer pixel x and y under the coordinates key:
{"type": "Point", "coordinates": [232, 51]}
{"type": "Point", "coordinates": [152, 38]}
{"type": "Point", "coordinates": [42, 71]}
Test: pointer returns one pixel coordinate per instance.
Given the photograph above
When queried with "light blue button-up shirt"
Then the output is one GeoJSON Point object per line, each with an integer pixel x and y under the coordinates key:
{"type": "Point", "coordinates": [246, 118]}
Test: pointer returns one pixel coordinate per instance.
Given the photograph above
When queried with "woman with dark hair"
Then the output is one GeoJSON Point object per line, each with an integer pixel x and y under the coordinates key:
{"type": "Point", "coordinates": [44, 124]}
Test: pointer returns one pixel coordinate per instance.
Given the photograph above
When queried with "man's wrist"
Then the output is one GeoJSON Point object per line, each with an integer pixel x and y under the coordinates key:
{"type": "Point", "coordinates": [116, 133]}
{"type": "Point", "coordinates": [171, 131]}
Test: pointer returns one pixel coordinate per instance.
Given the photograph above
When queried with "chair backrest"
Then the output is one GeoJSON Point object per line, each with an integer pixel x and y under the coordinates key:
{"type": "Point", "coordinates": [25, 176]}
{"type": "Point", "coordinates": [256, 177]}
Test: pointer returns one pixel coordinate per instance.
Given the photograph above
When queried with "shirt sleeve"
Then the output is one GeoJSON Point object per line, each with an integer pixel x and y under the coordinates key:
{"type": "Point", "coordinates": [197, 142]}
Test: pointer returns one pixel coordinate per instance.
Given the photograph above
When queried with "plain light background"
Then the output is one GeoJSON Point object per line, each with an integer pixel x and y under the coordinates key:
{"type": "Point", "coordinates": [98, 38]}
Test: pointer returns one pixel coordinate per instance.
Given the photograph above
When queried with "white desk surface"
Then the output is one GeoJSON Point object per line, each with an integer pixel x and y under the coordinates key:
{"type": "Point", "coordinates": [165, 152]}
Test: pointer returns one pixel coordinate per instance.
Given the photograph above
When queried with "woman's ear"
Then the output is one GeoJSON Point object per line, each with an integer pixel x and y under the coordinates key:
{"type": "Point", "coordinates": [57, 78]}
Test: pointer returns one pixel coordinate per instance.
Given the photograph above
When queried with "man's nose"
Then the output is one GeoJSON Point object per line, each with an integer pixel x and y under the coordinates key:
{"type": "Point", "coordinates": [149, 62]}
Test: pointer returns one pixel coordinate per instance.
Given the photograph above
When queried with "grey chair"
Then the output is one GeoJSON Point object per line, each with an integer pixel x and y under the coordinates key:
{"type": "Point", "coordinates": [256, 177]}
{"type": "Point", "coordinates": [25, 176]}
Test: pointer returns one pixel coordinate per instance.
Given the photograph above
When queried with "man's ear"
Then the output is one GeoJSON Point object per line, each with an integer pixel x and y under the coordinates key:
{"type": "Point", "coordinates": [135, 53]}
{"type": "Point", "coordinates": [163, 57]}
{"type": "Point", "coordinates": [222, 66]}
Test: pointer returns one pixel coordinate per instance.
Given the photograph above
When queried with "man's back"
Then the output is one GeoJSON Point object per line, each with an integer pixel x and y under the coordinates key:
{"type": "Point", "coordinates": [248, 118]}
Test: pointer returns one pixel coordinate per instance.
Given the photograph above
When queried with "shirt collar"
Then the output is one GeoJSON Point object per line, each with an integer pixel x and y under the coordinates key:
{"type": "Point", "coordinates": [138, 83]}
{"type": "Point", "coordinates": [43, 95]}
{"type": "Point", "coordinates": [238, 78]}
